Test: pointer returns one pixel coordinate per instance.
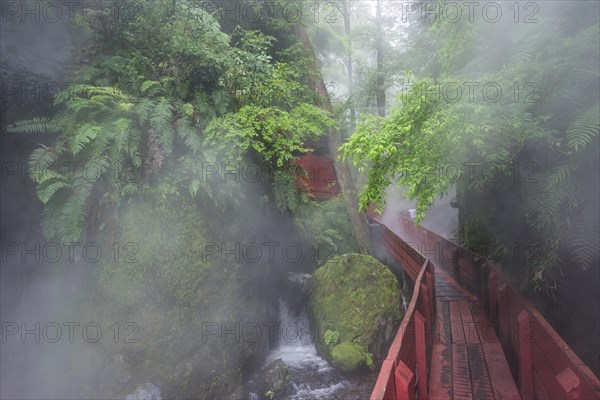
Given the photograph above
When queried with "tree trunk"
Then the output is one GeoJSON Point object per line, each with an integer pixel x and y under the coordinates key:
{"type": "Point", "coordinates": [380, 72]}
{"type": "Point", "coordinates": [348, 30]}
{"type": "Point", "coordinates": [344, 175]}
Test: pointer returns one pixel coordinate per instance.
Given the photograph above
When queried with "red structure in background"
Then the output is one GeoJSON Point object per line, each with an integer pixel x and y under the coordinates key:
{"type": "Point", "coordinates": [320, 180]}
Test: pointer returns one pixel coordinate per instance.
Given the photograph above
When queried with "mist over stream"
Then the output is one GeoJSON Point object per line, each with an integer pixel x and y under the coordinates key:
{"type": "Point", "coordinates": [153, 267]}
{"type": "Point", "coordinates": [59, 343]}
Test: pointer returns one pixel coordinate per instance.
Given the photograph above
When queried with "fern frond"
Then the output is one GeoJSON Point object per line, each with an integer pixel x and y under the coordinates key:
{"type": "Point", "coordinates": [71, 224]}
{"type": "Point", "coordinates": [559, 175]}
{"type": "Point", "coordinates": [34, 125]}
{"type": "Point", "coordinates": [150, 87]}
{"type": "Point", "coordinates": [221, 100]}
{"type": "Point", "coordinates": [102, 141]}
{"type": "Point", "coordinates": [585, 128]}
{"type": "Point", "coordinates": [161, 123]}
{"type": "Point", "coordinates": [144, 108]}
{"type": "Point", "coordinates": [40, 161]}
{"type": "Point", "coordinates": [84, 135]}
{"type": "Point", "coordinates": [285, 191]}
{"type": "Point", "coordinates": [46, 191]}
{"type": "Point", "coordinates": [189, 134]}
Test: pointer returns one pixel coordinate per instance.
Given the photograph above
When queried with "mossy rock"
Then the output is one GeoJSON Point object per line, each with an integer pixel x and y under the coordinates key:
{"type": "Point", "coordinates": [275, 380]}
{"type": "Point", "coordinates": [356, 306]}
{"type": "Point", "coordinates": [350, 357]}
{"type": "Point", "coordinates": [171, 291]}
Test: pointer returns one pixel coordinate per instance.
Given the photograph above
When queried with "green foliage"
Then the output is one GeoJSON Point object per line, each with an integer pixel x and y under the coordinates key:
{"type": "Point", "coordinates": [547, 115]}
{"type": "Point", "coordinates": [331, 337]}
{"type": "Point", "coordinates": [584, 130]}
{"type": "Point", "coordinates": [327, 227]}
{"type": "Point", "coordinates": [158, 261]}
{"type": "Point", "coordinates": [408, 147]}
{"type": "Point", "coordinates": [285, 192]}
{"type": "Point", "coordinates": [271, 133]}
{"type": "Point", "coordinates": [475, 236]}
{"type": "Point", "coordinates": [34, 125]}
{"type": "Point", "coordinates": [101, 130]}
{"type": "Point", "coordinates": [166, 85]}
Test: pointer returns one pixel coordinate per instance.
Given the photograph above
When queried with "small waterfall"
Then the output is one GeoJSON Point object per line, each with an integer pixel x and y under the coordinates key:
{"type": "Point", "coordinates": [312, 377]}
{"type": "Point", "coordinates": [404, 300]}
{"type": "Point", "coordinates": [149, 391]}
{"type": "Point", "coordinates": [296, 347]}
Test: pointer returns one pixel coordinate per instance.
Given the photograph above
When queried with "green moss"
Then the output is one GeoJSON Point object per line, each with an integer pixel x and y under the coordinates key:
{"type": "Point", "coordinates": [159, 260]}
{"type": "Point", "coordinates": [358, 298]}
{"type": "Point", "coordinates": [163, 284]}
{"type": "Point", "coordinates": [349, 357]}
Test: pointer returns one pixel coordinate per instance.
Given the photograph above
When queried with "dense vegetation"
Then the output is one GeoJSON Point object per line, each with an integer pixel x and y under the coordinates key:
{"type": "Point", "coordinates": [499, 107]}
{"type": "Point", "coordinates": [168, 99]}
{"type": "Point", "coordinates": [182, 98]}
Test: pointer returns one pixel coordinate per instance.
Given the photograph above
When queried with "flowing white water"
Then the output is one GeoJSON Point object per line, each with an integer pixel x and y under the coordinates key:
{"type": "Point", "coordinates": [149, 391]}
{"type": "Point", "coordinates": [312, 377]}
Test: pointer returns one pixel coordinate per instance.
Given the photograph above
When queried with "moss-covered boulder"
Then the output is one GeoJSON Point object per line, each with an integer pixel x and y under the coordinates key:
{"type": "Point", "coordinates": [350, 357]}
{"type": "Point", "coordinates": [356, 306]}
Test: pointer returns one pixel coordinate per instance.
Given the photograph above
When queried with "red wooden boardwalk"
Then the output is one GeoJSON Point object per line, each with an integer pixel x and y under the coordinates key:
{"type": "Point", "coordinates": [467, 361]}
{"type": "Point", "coordinates": [468, 334]}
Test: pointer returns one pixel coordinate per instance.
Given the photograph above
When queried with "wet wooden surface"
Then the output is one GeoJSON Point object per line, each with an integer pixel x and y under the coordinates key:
{"type": "Point", "coordinates": [467, 361]}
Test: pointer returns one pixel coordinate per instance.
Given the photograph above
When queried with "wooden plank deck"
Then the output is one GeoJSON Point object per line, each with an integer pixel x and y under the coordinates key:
{"type": "Point", "coordinates": [467, 360]}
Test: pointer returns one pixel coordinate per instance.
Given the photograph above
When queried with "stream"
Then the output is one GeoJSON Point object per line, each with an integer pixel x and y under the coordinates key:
{"type": "Point", "coordinates": [311, 377]}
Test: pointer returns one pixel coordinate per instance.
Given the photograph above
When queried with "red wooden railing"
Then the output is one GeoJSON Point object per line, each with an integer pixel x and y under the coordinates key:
{"type": "Point", "coordinates": [404, 371]}
{"type": "Point", "coordinates": [541, 362]}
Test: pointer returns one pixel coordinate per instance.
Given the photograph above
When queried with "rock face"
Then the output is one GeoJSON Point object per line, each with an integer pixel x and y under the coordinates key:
{"type": "Point", "coordinates": [304, 283]}
{"type": "Point", "coordinates": [199, 324]}
{"type": "Point", "coordinates": [356, 306]}
{"type": "Point", "coordinates": [299, 287]}
{"type": "Point", "coordinates": [275, 380]}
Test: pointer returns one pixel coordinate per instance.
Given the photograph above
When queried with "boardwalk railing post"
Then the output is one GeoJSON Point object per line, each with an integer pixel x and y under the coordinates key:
{"type": "Point", "coordinates": [455, 264]}
{"type": "Point", "coordinates": [430, 294]}
{"type": "Point", "coordinates": [421, 353]}
{"type": "Point", "coordinates": [570, 383]}
{"type": "Point", "coordinates": [476, 263]}
{"type": "Point", "coordinates": [484, 270]}
{"type": "Point", "coordinates": [525, 357]}
{"type": "Point", "coordinates": [405, 382]}
{"type": "Point", "coordinates": [493, 296]}
{"type": "Point", "coordinates": [503, 325]}
{"type": "Point", "coordinates": [426, 301]}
